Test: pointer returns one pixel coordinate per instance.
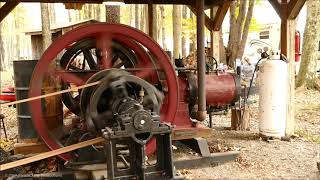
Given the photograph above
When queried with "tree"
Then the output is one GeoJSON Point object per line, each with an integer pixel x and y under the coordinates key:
{"type": "Point", "coordinates": [52, 13]}
{"type": "Point", "coordinates": [2, 67]}
{"type": "Point", "coordinates": [176, 15]}
{"type": "Point", "coordinates": [307, 75]}
{"type": "Point", "coordinates": [163, 28]}
{"type": "Point", "coordinates": [45, 20]}
{"type": "Point", "coordinates": [113, 14]}
{"type": "Point", "coordinates": [184, 33]}
{"type": "Point", "coordinates": [155, 23]}
{"type": "Point", "coordinates": [240, 20]}
{"type": "Point", "coordinates": [136, 15]}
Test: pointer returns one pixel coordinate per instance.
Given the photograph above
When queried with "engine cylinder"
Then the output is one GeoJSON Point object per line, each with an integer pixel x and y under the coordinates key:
{"type": "Point", "coordinates": [222, 89]}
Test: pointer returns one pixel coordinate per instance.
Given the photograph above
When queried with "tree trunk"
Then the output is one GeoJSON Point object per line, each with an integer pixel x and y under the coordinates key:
{"type": "Point", "coordinates": [307, 74]}
{"type": "Point", "coordinates": [142, 18]}
{"type": "Point", "coordinates": [193, 36]}
{"type": "Point", "coordinates": [113, 14]}
{"type": "Point", "coordinates": [17, 33]}
{"type": "Point", "coordinates": [97, 12]}
{"type": "Point", "coordinates": [163, 28]}
{"type": "Point", "coordinates": [2, 51]}
{"type": "Point", "coordinates": [155, 23]}
{"type": "Point", "coordinates": [245, 33]}
{"type": "Point", "coordinates": [46, 32]}
{"type": "Point", "coordinates": [240, 20]}
{"type": "Point", "coordinates": [131, 12]}
{"type": "Point", "coordinates": [136, 16]}
{"type": "Point", "coordinates": [184, 33]}
{"type": "Point", "coordinates": [52, 13]}
{"type": "Point", "coordinates": [222, 56]}
{"type": "Point", "coordinates": [176, 15]}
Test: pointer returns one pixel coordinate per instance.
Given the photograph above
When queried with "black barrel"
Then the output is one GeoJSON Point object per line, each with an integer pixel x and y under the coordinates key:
{"type": "Point", "coordinates": [22, 74]}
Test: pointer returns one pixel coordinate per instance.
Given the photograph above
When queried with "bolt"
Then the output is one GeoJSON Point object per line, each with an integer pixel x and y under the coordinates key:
{"type": "Point", "coordinates": [142, 121]}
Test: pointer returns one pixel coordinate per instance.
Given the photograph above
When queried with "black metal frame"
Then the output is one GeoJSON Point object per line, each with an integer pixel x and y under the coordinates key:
{"type": "Point", "coordinates": [136, 165]}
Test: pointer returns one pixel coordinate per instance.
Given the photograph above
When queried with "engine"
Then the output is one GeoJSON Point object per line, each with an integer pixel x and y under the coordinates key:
{"type": "Point", "coordinates": [132, 95]}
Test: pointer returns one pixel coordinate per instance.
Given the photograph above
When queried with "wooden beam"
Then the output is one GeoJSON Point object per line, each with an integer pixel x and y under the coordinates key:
{"type": "Point", "coordinates": [150, 20]}
{"type": "Point", "coordinates": [221, 13]}
{"type": "Point", "coordinates": [276, 6]}
{"type": "Point", "coordinates": [7, 8]}
{"type": "Point", "coordinates": [284, 30]}
{"type": "Point", "coordinates": [207, 21]}
{"type": "Point", "coordinates": [294, 8]}
{"type": "Point", "coordinates": [51, 153]}
{"type": "Point", "coordinates": [55, 1]}
{"type": "Point", "coordinates": [208, 3]}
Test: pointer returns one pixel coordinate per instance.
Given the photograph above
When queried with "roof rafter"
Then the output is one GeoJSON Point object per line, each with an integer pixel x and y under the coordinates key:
{"type": "Point", "coordinates": [7, 8]}
{"type": "Point", "coordinates": [220, 15]}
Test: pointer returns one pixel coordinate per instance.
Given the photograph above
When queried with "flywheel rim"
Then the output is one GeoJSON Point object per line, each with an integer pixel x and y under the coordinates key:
{"type": "Point", "coordinates": [117, 31]}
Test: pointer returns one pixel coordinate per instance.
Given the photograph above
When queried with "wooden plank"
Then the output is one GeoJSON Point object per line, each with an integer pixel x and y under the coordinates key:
{"type": "Point", "coordinates": [220, 15]}
{"type": "Point", "coordinates": [276, 6]}
{"type": "Point", "coordinates": [30, 148]}
{"type": "Point", "coordinates": [186, 2]}
{"type": "Point", "coordinates": [294, 8]}
{"type": "Point", "coordinates": [189, 133]}
{"type": "Point", "coordinates": [51, 153]}
{"type": "Point", "coordinates": [207, 21]}
{"type": "Point", "coordinates": [7, 8]}
{"type": "Point", "coordinates": [50, 94]}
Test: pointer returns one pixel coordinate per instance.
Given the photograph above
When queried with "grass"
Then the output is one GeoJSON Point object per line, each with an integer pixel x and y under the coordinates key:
{"type": "Point", "coordinates": [307, 136]}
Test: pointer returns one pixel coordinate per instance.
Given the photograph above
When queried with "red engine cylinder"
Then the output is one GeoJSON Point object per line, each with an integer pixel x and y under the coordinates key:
{"type": "Point", "coordinates": [222, 89]}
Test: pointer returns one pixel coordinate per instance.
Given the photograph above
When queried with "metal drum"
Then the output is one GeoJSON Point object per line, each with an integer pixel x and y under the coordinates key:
{"type": "Point", "coordinates": [22, 75]}
{"type": "Point", "coordinates": [52, 108]}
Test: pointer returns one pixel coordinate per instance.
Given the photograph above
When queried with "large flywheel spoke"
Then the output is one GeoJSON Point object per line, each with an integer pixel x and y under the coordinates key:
{"type": "Point", "coordinates": [88, 57]}
{"type": "Point", "coordinates": [104, 47]}
{"type": "Point", "coordinates": [75, 77]}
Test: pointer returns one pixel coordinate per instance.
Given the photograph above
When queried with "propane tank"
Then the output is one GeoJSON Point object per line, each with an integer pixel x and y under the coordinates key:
{"type": "Point", "coordinates": [273, 81]}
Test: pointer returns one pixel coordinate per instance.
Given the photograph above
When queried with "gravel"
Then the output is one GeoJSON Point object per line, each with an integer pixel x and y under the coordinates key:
{"type": "Point", "coordinates": [295, 159]}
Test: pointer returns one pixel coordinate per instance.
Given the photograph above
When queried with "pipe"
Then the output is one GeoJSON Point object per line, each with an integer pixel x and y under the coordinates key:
{"type": "Point", "coordinates": [202, 113]}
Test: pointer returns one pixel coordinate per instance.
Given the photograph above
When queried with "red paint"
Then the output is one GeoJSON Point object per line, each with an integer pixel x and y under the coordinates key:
{"type": "Point", "coordinates": [7, 97]}
{"type": "Point", "coordinates": [8, 94]}
{"type": "Point", "coordinates": [297, 47]}
{"type": "Point", "coordinates": [126, 34]}
{"type": "Point", "coordinates": [220, 89]}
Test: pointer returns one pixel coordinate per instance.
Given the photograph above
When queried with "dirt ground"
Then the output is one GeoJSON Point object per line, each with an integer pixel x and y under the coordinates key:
{"type": "Point", "coordinates": [295, 159]}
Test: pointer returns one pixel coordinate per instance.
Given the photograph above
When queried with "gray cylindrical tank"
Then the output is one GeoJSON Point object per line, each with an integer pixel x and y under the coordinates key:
{"type": "Point", "coordinates": [22, 74]}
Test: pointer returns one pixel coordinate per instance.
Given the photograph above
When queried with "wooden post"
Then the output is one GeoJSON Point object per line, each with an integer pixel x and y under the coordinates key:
{"type": "Point", "coordinates": [150, 20]}
{"type": "Point", "coordinates": [288, 11]}
{"type": "Point", "coordinates": [287, 48]}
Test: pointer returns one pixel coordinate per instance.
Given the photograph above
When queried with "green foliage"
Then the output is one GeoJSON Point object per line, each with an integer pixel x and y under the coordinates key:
{"type": "Point", "coordinates": [308, 136]}
{"type": "Point", "coordinates": [254, 26]}
{"type": "Point", "coordinates": [188, 26]}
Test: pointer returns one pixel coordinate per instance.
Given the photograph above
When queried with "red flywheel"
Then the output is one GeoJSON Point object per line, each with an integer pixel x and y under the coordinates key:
{"type": "Point", "coordinates": [114, 46]}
